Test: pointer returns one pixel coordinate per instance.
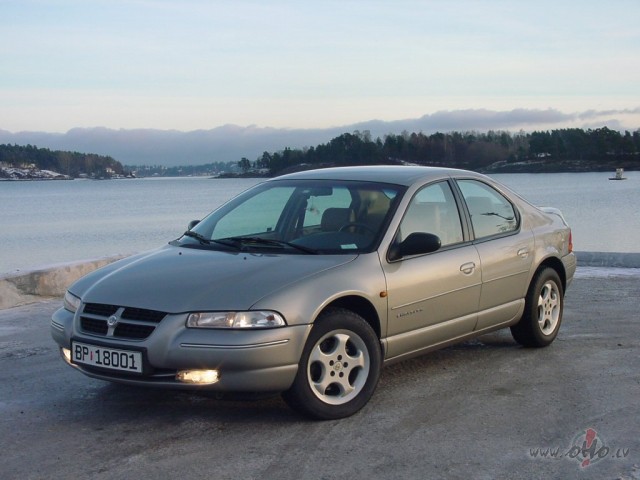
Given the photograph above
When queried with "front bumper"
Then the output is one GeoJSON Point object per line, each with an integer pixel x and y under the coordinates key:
{"type": "Point", "coordinates": [260, 360]}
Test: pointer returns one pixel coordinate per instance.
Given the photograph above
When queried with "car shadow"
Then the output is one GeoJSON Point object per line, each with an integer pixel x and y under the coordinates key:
{"type": "Point", "coordinates": [123, 402]}
{"type": "Point", "coordinates": [118, 403]}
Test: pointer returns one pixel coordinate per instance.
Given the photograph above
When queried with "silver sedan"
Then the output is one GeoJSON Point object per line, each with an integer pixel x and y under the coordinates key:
{"type": "Point", "coordinates": [307, 284]}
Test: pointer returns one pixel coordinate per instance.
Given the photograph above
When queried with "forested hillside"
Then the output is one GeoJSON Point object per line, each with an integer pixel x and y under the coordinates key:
{"type": "Point", "coordinates": [556, 150]}
{"type": "Point", "coordinates": [72, 164]}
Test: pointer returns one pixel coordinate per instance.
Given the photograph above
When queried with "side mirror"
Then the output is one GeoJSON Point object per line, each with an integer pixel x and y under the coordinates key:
{"type": "Point", "coordinates": [192, 224]}
{"type": "Point", "coordinates": [417, 243]}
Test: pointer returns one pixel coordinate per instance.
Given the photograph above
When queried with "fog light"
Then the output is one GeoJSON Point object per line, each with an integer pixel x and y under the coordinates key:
{"type": "Point", "coordinates": [198, 377]}
{"type": "Point", "coordinates": [66, 354]}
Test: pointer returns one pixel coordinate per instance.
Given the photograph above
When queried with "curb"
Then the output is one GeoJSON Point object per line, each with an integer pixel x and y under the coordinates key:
{"type": "Point", "coordinates": [52, 281]}
{"type": "Point", "coordinates": [608, 259]}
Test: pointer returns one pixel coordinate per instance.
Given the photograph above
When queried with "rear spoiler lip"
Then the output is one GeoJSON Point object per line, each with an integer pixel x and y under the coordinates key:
{"type": "Point", "coordinates": [554, 211]}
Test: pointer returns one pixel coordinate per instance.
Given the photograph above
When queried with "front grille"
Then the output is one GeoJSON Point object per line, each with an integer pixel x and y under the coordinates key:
{"type": "Point", "coordinates": [91, 325]}
{"type": "Point", "coordinates": [129, 330]}
{"type": "Point", "coordinates": [133, 323]}
{"type": "Point", "coordinates": [143, 315]}
{"type": "Point", "coordinates": [100, 309]}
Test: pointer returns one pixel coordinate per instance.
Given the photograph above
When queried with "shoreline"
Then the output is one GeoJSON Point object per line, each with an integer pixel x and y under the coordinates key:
{"type": "Point", "coordinates": [498, 168]}
{"type": "Point", "coordinates": [51, 281]}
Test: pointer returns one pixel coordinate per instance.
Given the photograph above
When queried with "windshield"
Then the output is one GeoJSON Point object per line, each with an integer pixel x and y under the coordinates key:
{"type": "Point", "coordinates": [300, 216]}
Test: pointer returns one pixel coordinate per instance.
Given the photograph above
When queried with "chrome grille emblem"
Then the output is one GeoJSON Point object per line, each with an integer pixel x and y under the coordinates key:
{"type": "Point", "coordinates": [112, 320]}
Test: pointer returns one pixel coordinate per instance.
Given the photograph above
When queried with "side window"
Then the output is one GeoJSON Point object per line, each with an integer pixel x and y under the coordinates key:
{"type": "Point", "coordinates": [491, 213]}
{"type": "Point", "coordinates": [433, 210]}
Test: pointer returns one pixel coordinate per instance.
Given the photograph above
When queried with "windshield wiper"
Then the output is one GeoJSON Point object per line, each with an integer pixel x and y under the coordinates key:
{"type": "Point", "coordinates": [268, 241]}
{"type": "Point", "coordinates": [201, 238]}
{"type": "Point", "coordinates": [208, 241]}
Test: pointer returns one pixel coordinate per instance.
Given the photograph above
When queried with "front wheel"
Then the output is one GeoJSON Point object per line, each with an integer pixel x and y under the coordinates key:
{"type": "Point", "coordinates": [339, 367]}
{"type": "Point", "coordinates": [542, 315]}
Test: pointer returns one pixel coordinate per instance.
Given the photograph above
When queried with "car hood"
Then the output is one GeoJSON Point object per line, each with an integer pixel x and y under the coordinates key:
{"type": "Point", "coordinates": [175, 279]}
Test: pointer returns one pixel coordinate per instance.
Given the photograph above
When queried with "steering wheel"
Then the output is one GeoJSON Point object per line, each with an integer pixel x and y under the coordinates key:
{"type": "Point", "coordinates": [360, 225]}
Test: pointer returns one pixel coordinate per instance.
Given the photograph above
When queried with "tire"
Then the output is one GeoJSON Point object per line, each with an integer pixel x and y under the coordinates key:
{"type": "Point", "coordinates": [339, 367]}
{"type": "Point", "coordinates": [543, 309]}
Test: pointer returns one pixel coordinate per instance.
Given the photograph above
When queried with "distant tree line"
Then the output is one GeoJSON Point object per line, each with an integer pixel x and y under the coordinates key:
{"type": "Point", "coordinates": [563, 149]}
{"type": "Point", "coordinates": [72, 164]}
{"type": "Point", "coordinates": [214, 168]}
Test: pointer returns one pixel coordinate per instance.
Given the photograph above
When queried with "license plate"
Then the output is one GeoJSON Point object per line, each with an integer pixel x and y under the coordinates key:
{"type": "Point", "coordinates": [103, 357]}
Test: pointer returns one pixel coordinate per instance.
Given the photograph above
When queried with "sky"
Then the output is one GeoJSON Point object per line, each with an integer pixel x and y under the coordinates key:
{"type": "Point", "coordinates": [199, 64]}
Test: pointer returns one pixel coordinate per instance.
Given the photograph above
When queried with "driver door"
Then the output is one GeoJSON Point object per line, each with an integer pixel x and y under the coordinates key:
{"type": "Point", "coordinates": [434, 297]}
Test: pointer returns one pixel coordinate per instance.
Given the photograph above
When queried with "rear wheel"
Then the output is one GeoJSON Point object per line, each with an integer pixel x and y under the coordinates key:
{"type": "Point", "coordinates": [339, 367]}
{"type": "Point", "coordinates": [542, 315]}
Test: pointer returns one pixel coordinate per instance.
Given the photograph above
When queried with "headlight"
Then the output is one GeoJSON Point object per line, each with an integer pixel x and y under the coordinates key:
{"type": "Point", "coordinates": [251, 319]}
{"type": "Point", "coordinates": [71, 302]}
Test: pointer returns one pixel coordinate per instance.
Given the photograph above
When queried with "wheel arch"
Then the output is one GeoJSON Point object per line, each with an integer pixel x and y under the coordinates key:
{"type": "Point", "coordinates": [360, 306]}
{"type": "Point", "coordinates": [556, 264]}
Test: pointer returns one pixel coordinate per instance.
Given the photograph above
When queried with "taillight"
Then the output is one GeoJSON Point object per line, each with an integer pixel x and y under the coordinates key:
{"type": "Point", "coordinates": [570, 242]}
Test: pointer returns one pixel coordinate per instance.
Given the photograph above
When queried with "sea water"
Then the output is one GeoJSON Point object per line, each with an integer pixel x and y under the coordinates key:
{"type": "Point", "coordinates": [57, 221]}
{"type": "Point", "coordinates": [50, 222]}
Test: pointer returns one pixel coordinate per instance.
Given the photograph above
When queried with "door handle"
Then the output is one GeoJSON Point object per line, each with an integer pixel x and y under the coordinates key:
{"type": "Point", "coordinates": [523, 252]}
{"type": "Point", "coordinates": [467, 268]}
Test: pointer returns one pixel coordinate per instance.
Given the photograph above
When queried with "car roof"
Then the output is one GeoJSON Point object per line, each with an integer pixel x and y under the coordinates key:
{"type": "Point", "coordinates": [396, 174]}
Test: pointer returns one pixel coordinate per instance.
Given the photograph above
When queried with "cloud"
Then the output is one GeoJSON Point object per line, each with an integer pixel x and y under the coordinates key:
{"type": "Point", "coordinates": [484, 120]}
{"type": "Point", "coordinates": [589, 114]}
{"type": "Point", "coordinates": [477, 119]}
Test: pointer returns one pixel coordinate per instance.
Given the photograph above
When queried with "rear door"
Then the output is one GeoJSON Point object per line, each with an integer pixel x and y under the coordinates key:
{"type": "Point", "coordinates": [505, 249]}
